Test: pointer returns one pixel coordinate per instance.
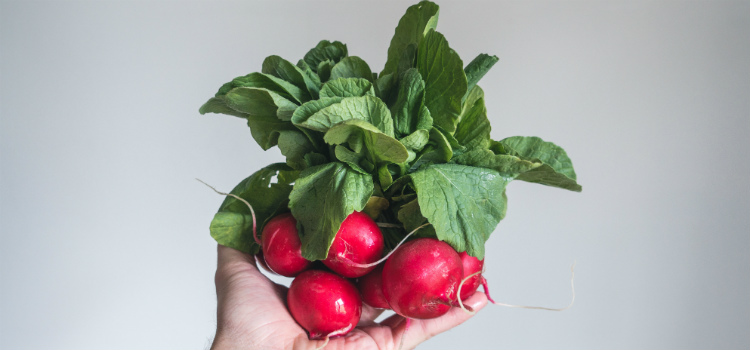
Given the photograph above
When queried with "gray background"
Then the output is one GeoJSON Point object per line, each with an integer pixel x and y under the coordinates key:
{"type": "Point", "coordinates": [105, 238]}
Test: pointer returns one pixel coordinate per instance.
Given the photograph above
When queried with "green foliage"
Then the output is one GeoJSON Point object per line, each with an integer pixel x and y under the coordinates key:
{"type": "Point", "coordinates": [410, 145]}
{"type": "Point", "coordinates": [232, 225]}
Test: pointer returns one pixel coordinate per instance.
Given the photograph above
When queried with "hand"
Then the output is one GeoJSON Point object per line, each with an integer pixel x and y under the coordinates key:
{"type": "Point", "coordinates": [252, 314]}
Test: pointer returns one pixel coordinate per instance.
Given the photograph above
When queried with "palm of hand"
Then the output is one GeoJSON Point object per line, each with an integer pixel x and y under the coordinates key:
{"type": "Point", "coordinates": [252, 314]}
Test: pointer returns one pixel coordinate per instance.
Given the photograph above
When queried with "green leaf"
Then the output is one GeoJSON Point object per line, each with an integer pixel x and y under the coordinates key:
{"type": "Point", "coordinates": [260, 102]}
{"type": "Point", "coordinates": [364, 137]}
{"type": "Point", "coordinates": [218, 105]}
{"type": "Point", "coordinates": [322, 198]}
{"type": "Point", "coordinates": [232, 224]}
{"type": "Point", "coordinates": [375, 205]}
{"type": "Point", "coordinates": [558, 168]}
{"type": "Point", "coordinates": [412, 27]}
{"type": "Point", "coordinates": [438, 150]}
{"type": "Point", "coordinates": [294, 145]}
{"type": "Point", "coordinates": [263, 110]}
{"type": "Point", "coordinates": [506, 165]}
{"type": "Point", "coordinates": [266, 81]}
{"type": "Point", "coordinates": [473, 129]}
{"type": "Point", "coordinates": [324, 70]}
{"type": "Point", "coordinates": [477, 68]}
{"type": "Point", "coordinates": [411, 216]}
{"type": "Point", "coordinates": [347, 87]}
{"type": "Point", "coordinates": [368, 108]}
{"type": "Point", "coordinates": [445, 81]}
{"type": "Point", "coordinates": [355, 160]}
{"type": "Point", "coordinates": [308, 109]}
{"type": "Point", "coordinates": [325, 51]}
{"type": "Point", "coordinates": [407, 110]}
{"type": "Point", "coordinates": [416, 141]}
{"type": "Point", "coordinates": [283, 69]}
{"type": "Point", "coordinates": [351, 67]}
{"type": "Point", "coordinates": [384, 176]}
{"type": "Point", "coordinates": [463, 203]}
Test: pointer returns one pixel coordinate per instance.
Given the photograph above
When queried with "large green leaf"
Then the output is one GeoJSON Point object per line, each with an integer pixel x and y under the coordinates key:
{"type": "Point", "coordinates": [351, 67]}
{"type": "Point", "coordinates": [368, 108]}
{"type": "Point", "coordinates": [412, 27]}
{"type": "Point", "coordinates": [325, 51]}
{"type": "Point", "coordinates": [505, 164]}
{"type": "Point", "coordinates": [308, 109]}
{"type": "Point", "coordinates": [347, 87]}
{"type": "Point", "coordinates": [463, 203]}
{"type": "Point", "coordinates": [263, 109]}
{"type": "Point", "coordinates": [232, 224]}
{"type": "Point", "coordinates": [473, 129]}
{"type": "Point", "coordinates": [257, 102]}
{"type": "Point", "coordinates": [477, 68]}
{"type": "Point", "coordinates": [365, 138]}
{"type": "Point", "coordinates": [408, 110]}
{"type": "Point", "coordinates": [445, 81]}
{"type": "Point", "coordinates": [557, 169]}
{"type": "Point", "coordinates": [322, 198]}
{"type": "Point", "coordinates": [283, 69]}
{"type": "Point", "coordinates": [219, 105]}
{"type": "Point", "coordinates": [266, 81]}
{"type": "Point", "coordinates": [294, 145]}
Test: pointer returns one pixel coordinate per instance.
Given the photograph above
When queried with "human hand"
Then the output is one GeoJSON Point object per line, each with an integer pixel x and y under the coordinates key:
{"type": "Point", "coordinates": [252, 314]}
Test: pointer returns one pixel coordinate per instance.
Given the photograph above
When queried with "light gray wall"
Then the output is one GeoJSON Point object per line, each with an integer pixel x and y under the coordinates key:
{"type": "Point", "coordinates": [105, 231]}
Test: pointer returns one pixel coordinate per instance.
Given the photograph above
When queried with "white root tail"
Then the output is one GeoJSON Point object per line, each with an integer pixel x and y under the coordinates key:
{"type": "Point", "coordinates": [572, 288]}
{"type": "Point", "coordinates": [252, 212]}
{"type": "Point", "coordinates": [333, 334]}
{"type": "Point", "coordinates": [364, 266]}
{"type": "Point", "coordinates": [458, 294]}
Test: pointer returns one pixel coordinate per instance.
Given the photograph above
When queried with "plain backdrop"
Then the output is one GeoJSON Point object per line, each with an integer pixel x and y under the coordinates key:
{"type": "Point", "coordinates": [105, 240]}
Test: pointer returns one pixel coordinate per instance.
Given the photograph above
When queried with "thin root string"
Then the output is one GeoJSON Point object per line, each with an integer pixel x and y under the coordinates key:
{"type": "Point", "coordinates": [252, 212]}
{"type": "Point", "coordinates": [364, 266]}
{"type": "Point", "coordinates": [333, 334]}
{"type": "Point", "coordinates": [460, 303]}
{"type": "Point", "coordinates": [572, 288]}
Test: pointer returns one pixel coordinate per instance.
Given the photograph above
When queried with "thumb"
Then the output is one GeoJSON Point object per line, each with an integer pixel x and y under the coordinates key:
{"type": "Point", "coordinates": [421, 330]}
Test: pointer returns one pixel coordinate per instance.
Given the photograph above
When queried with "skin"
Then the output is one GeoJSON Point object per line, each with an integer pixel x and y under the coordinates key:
{"type": "Point", "coordinates": [252, 314]}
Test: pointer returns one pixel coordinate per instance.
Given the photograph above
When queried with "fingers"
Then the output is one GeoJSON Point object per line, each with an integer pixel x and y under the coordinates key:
{"type": "Point", "coordinates": [369, 314]}
{"type": "Point", "coordinates": [421, 330]}
{"type": "Point", "coordinates": [228, 255]}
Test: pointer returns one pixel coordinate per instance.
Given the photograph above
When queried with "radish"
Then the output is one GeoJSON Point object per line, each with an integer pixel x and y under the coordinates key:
{"type": "Point", "coordinates": [324, 303]}
{"type": "Point", "coordinates": [282, 247]}
{"type": "Point", "coordinates": [473, 266]}
{"type": "Point", "coordinates": [421, 278]}
{"type": "Point", "coordinates": [357, 242]}
{"type": "Point", "coordinates": [371, 288]}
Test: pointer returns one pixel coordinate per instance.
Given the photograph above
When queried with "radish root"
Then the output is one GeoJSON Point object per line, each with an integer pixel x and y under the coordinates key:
{"type": "Point", "coordinates": [333, 334]}
{"type": "Point", "coordinates": [389, 254]}
{"type": "Point", "coordinates": [487, 290]}
{"type": "Point", "coordinates": [458, 294]}
{"type": "Point", "coordinates": [572, 288]}
{"type": "Point", "coordinates": [252, 212]}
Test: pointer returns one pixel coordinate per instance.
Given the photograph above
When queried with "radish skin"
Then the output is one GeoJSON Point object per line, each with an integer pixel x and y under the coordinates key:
{"type": "Point", "coordinates": [282, 248]}
{"type": "Point", "coordinates": [324, 303]}
{"type": "Point", "coordinates": [421, 278]}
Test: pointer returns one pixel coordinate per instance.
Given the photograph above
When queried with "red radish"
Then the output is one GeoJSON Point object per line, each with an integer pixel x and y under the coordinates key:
{"type": "Point", "coordinates": [282, 248]}
{"type": "Point", "coordinates": [358, 241]}
{"type": "Point", "coordinates": [421, 278]}
{"type": "Point", "coordinates": [471, 265]}
{"type": "Point", "coordinates": [323, 303]}
{"type": "Point", "coordinates": [371, 288]}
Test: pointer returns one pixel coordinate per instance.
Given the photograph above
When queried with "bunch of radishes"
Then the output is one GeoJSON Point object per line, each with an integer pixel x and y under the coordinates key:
{"type": "Point", "coordinates": [420, 279]}
{"type": "Point", "coordinates": [409, 147]}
